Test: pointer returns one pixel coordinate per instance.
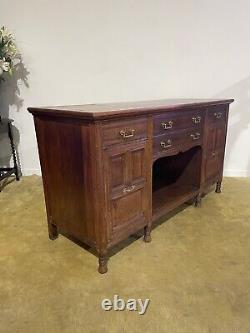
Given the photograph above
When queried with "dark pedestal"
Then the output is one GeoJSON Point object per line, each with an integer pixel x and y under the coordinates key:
{"type": "Point", "coordinates": [6, 172]}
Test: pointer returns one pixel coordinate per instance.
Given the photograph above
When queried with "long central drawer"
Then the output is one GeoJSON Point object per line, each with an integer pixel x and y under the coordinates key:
{"type": "Point", "coordinates": [172, 121]}
{"type": "Point", "coordinates": [172, 143]}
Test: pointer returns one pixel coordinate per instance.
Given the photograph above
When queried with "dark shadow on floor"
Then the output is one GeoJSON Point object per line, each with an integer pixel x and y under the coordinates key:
{"type": "Point", "coordinates": [6, 182]}
{"type": "Point", "coordinates": [131, 239]}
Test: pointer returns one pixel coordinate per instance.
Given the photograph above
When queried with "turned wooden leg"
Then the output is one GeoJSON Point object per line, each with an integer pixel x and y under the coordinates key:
{"type": "Point", "coordinates": [147, 236]}
{"type": "Point", "coordinates": [103, 267]}
{"type": "Point", "coordinates": [53, 232]}
{"type": "Point", "coordinates": [218, 187]}
{"type": "Point", "coordinates": [13, 149]}
{"type": "Point", "coordinates": [197, 200]}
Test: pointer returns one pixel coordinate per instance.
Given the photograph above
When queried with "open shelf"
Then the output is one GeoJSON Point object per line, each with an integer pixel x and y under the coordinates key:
{"type": "Point", "coordinates": [170, 197]}
{"type": "Point", "coordinates": [175, 180]}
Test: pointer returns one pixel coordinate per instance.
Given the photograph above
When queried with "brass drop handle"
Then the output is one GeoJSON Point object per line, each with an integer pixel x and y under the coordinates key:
{"type": "Point", "coordinates": [167, 144]}
{"type": "Point", "coordinates": [129, 134]}
{"type": "Point", "coordinates": [213, 154]}
{"type": "Point", "coordinates": [197, 119]}
{"type": "Point", "coordinates": [195, 136]}
{"type": "Point", "coordinates": [167, 125]}
{"type": "Point", "coordinates": [218, 115]}
{"type": "Point", "coordinates": [129, 189]}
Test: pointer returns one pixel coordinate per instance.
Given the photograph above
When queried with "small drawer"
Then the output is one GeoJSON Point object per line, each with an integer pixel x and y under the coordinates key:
{"type": "Point", "coordinates": [123, 131]}
{"type": "Point", "coordinates": [171, 121]}
{"type": "Point", "coordinates": [217, 115]}
{"type": "Point", "coordinates": [175, 142]}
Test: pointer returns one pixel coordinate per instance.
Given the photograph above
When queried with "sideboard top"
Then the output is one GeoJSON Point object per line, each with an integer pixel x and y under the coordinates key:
{"type": "Point", "coordinates": [114, 110]}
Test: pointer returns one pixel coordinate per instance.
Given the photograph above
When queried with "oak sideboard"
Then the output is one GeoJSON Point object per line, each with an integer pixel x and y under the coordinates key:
{"type": "Point", "coordinates": [110, 170]}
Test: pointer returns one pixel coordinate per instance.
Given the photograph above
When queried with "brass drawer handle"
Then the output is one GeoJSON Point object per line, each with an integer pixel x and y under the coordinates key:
{"type": "Point", "coordinates": [218, 115]}
{"type": "Point", "coordinates": [128, 134]}
{"type": "Point", "coordinates": [129, 189]}
{"type": "Point", "coordinates": [197, 119]}
{"type": "Point", "coordinates": [167, 144]}
{"type": "Point", "coordinates": [167, 125]}
{"type": "Point", "coordinates": [195, 136]}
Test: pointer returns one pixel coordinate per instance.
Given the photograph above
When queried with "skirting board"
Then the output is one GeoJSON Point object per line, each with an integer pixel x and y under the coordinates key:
{"type": "Point", "coordinates": [227, 172]}
{"type": "Point", "coordinates": [29, 172]}
{"type": "Point", "coordinates": [236, 173]}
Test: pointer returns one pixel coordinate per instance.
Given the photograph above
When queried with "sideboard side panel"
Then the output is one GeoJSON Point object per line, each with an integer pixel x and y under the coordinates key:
{"type": "Point", "coordinates": [63, 149]}
{"type": "Point", "coordinates": [214, 145]}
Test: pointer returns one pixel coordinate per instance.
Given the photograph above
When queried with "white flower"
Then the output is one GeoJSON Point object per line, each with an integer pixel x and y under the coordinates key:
{"type": "Point", "coordinates": [4, 65]}
{"type": "Point", "coordinates": [8, 51]}
{"type": "Point", "coordinates": [5, 34]}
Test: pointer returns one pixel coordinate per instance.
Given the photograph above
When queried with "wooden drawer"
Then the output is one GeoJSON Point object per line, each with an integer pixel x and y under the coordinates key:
{"type": "Point", "coordinates": [123, 131]}
{"type": "Point", "coordinates": [171, 121]}
{"type": "Point", "coordinates": [217, 115]}
{"type": "Point", "coordinates": [175, 142]}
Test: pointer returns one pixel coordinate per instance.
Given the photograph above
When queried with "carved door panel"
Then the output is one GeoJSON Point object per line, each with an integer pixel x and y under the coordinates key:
{"type": "Point", "coordinates": [215, 145]}
{"type": "Point", "coordinates": [126, 177]}
{"type": "Point", "coordinates": [213, 167]}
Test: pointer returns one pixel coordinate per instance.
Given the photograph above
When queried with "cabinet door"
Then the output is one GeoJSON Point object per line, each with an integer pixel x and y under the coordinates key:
{"type": "Point", "coordinates": [213, 167]}
{"type": "Point", "coordinates": [127, 195]}
{"type": "Point", "coordinates": [215, 145]}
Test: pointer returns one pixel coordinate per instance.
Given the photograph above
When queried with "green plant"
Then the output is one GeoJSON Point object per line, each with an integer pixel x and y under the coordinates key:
{"type": "Point", "coordinates": [9, 55]}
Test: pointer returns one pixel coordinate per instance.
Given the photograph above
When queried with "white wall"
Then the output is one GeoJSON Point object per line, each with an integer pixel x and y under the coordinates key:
{"type": "Point", "coordinates": [85, 51]}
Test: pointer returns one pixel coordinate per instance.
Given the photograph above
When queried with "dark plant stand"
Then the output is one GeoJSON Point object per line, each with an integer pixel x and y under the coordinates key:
{"type": "Point", "coordinates": [6, 172]}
